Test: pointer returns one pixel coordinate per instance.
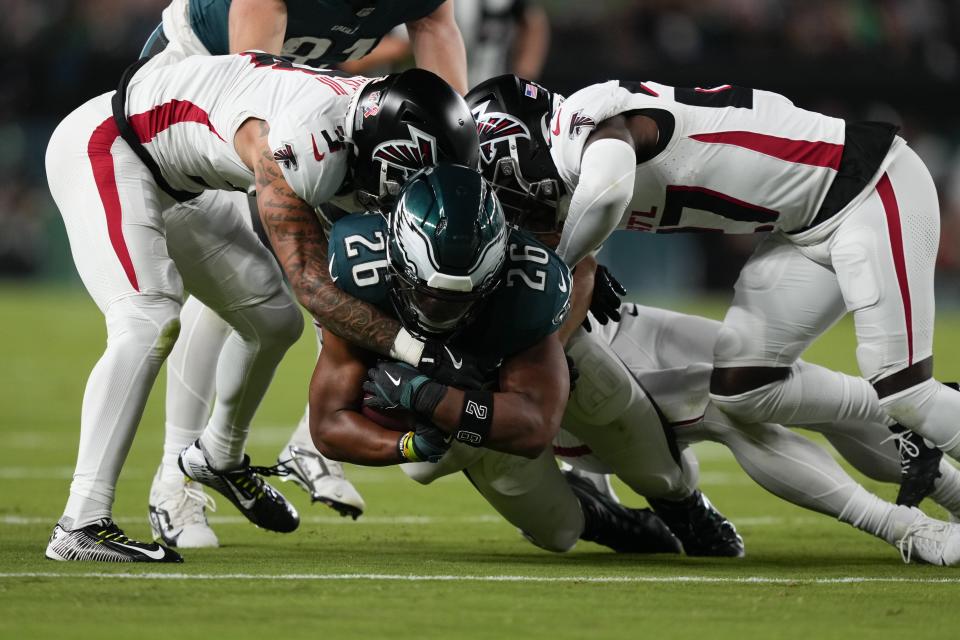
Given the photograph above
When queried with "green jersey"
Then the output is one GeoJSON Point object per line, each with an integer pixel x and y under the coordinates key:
{"type": "Point", "coordinates": [528, 306]}
{"type": "Point", "coordinates": [319, 32]}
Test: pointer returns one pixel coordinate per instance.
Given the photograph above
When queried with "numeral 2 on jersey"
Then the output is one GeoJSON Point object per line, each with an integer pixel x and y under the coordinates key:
{"type": "Point", "coordinates": [537, 255]}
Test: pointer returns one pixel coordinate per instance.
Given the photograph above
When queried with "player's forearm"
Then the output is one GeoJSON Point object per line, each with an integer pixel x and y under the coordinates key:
{"type": "Point", "coordinates": [532, 43]}
{"type": "Point", "coordinates": [257, 24]}
{"type": "Point", "coordinates": [301, 249]}
{"type": "Point", "coordinates": [348, 436]}
{"type": "Point", "coordinates": [581, 294]}
{"type": "Point", "coordinates": [600, 199]}
{"type": "Point", "coordinates": [438, 46]}
{"type": "Point", "coordinates": [521, 425]}
{"type": "Point", "coordinates": [389, 51]}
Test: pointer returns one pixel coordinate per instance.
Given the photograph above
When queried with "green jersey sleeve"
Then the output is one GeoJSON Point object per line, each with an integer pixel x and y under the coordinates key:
{"type": "Point", "coordinates": [358, 258]}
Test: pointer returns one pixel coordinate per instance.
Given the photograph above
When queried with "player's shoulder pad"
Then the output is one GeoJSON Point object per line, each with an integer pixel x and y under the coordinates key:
{"type": "Point", "coordinates": [582, 111]}
{"type": "Point", "coordinates": [534, 296]}
{"type": "Point", "coordinates": [358, 257]}
{"type": "Point", "coordinates": [310, 151]}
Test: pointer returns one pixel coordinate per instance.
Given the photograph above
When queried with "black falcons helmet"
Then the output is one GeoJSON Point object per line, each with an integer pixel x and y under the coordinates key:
{"type": "Point", "coordinates": [402, 123]}
{"type": "Point", "coordinates": [512, 117]}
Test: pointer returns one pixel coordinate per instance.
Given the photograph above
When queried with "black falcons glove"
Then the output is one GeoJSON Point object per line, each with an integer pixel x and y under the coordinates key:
{"type": "Point", "coordinates": [456, 368]}
{"type": "Point", "coordinates": [607, 291]}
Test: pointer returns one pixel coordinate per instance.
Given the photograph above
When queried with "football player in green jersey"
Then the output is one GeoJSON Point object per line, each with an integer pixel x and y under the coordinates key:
{"type": "Point", "coordinates": [447, 265]}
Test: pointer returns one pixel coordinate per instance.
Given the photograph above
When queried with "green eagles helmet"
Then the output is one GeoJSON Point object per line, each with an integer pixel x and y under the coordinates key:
{"type": "Point", "coordinates": [447, 244]}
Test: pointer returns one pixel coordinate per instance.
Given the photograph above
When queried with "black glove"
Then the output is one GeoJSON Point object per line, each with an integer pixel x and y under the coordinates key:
{"type": "Point", "coordinates": [396, 384]}
{"type": "Point", "coordinates": [429, 443]}
{"type": "Point", "coordinates": [607, 291]}
{"type": "Point", "coordinates": [456, 368]}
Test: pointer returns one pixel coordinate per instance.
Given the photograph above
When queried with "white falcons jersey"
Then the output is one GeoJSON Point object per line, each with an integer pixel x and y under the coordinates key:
{"type": "Point", "coordinates": [738, 161]}
{"type": "Point", "coordinates": [186, 115]}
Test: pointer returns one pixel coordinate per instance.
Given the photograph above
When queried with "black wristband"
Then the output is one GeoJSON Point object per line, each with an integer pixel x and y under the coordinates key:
{"type": "Point", "coordinates": [476, 418]}
{"type": "Point", "coordinates": [427, 397]}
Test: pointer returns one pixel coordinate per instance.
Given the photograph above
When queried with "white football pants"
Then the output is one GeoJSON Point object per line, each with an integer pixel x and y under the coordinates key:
{"type": "Point", "coordinates": [136, 254]}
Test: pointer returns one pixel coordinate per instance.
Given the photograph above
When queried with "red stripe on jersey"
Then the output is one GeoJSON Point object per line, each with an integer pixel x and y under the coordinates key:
{"type": "Point", "coordinates": [817, 154]}
{"type": "Point", "coordinates": [101, 161]}
{"type": "Point", "coordinates": [572, 452]}
{"type": "Point", "coordinates": [889, 200]}
{"type": "Point", "coordinates": [149, 123]}
{"type": "Point", "coordinates": [333, 84]}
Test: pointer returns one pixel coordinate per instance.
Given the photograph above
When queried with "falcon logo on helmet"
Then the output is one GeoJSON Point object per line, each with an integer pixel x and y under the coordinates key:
{"type": "Point", "coordinates": [408, 155]}
{"type": "Point", "coordinates": [495, 127]}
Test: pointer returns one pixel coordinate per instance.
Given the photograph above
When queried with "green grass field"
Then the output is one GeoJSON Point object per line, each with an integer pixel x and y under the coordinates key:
{"type": "Point", "coordinates": [424, 561]}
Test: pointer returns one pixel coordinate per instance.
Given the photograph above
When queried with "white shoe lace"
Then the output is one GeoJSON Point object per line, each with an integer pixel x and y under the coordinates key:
{"type": "Point", "coordinates": [906, 449]}
{"type": "Point", "coordinates": [925, 534]}
{"type": "Point", "coordinates": [314, 464]}
{"type": "Point", "coordinates": [190, 504]}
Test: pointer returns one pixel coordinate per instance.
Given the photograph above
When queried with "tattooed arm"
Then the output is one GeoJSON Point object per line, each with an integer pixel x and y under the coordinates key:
{"type": "Point", "coordinates": [301, 248]}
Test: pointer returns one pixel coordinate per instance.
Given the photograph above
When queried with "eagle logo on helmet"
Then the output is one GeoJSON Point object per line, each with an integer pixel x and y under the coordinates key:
{"type": "Point", "coordinates": [408, 155]}
{"type": "Point", "coordinates": [494, 127]}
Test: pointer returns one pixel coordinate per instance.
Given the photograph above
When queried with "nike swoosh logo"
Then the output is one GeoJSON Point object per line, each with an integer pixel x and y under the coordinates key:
{"type": "Point", "coordinates": [156, 554]}
{"type": "Point", "coordinates": [556, 128]}
{"type": "Point", "coordinates": [246, 503]}
{"type": "Point", "coordinates": [456, 363]}
{"type": "Point", "coordinates": [563, 284]}
{"type": "Point", "coordinates": [395, 381]}
{"type": "Point", "coordinates": [333, 278]}
{"type": "Point", "coordinates": [316, 152]}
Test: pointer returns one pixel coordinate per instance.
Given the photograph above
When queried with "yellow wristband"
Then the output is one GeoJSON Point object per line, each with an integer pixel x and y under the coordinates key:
{"type": "Point", "coordinates": [405, 447]}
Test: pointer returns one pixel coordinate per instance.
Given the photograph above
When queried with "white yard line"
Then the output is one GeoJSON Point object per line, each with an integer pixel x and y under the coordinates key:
{"type": "Point", "coordinates": [388, 577]}
{"type": "Point", "coordinates": [758, 521]}
{"type": "Point", "coordinates": [377, 520]}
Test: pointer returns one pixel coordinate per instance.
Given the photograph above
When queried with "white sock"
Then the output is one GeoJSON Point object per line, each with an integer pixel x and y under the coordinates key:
{"type": "Point", "coordinates": [191, 377]}
{"type": "Point", "coordinates": [262, 334]}
{"type": "Point", "coordinates": [877, 517]}
{"type": "Point", "coordinates": [140, 333]}
{"type": "Point", "coordinates": [946, 492]}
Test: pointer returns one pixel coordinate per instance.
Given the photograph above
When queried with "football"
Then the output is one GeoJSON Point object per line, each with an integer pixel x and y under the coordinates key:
{"type": "Point", "coordinates": [398, 419]}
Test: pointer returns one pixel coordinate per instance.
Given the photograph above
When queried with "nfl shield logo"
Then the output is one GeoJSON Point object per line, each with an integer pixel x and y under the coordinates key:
{"type": "Point", "coordinates": [530, 91]}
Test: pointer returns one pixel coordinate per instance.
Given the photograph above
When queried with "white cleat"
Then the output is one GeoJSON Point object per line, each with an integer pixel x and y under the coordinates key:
{"type": "Point", "coordinates": [178, 513]}
{"type": "Point", "coordinates": [931, 541]}
{"type": "Point", "coordinates": [322, 478]}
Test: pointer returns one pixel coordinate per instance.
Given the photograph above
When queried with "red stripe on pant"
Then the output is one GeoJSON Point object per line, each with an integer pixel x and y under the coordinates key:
{"type": "Point", "coordinates": [889, 200]}
{"type": "Point", "coordinates": [101, 160]}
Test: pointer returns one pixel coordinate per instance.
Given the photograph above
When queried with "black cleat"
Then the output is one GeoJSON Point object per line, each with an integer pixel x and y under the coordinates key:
{"type": "Point", "coordinates": [262, 505]}
{"type": "Point", "coordinates": [103, 541]}
{"type": "Point", "coordinates": [621, 528]}
{"type": "Point", "coordinates": [919, 466]}
{"type": "Point", "coordinates": [703, 530]}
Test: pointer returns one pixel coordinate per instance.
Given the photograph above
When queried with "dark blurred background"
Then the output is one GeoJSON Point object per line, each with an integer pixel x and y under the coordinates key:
{"type": "Point", "coordinates": [893, 60]}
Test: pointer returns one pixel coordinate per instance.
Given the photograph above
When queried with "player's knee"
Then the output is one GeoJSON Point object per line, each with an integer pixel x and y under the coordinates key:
{"type": "Point", "coordinates": [605, 387]}
{"type": "Point", "coordinates": [558, 540]}
{"type": "Point", "coordinates": [149, 323]}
